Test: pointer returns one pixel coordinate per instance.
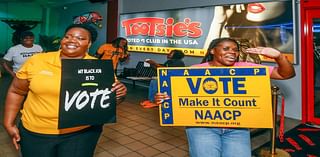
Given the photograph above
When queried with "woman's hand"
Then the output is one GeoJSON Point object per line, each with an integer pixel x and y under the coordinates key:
{"type": "Point", "coordinates": [220, 20]}
{"type": "Point", "coordinates": [120, 89]}
{"type": "Point", "coordinates": [160, 97]}
{"type": "Point", "coordinates": [238, 8]}
{"type": "Point", "coordinates": [124, 58]}
{"type": "Point", "coordinates": [265, 51]}
{"type": "Point", "coordinates": [285, 69]}
{"type": "Point", "coordinates": [152, 62]}
{"type": "Point", "coordinates": [14, 134]}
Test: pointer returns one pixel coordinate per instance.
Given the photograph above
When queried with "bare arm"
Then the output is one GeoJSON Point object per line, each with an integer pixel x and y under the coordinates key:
{"type": "Point", "coordinates": [154, 64]}
{"type": "Point", "coordinates": [8, 67]}
{"type": "Point", "coordinates": [284, 70]}
{"type": "Point", "coordinates": [15, 96]}
{"type": "Point", "coordinates": [219, 21]}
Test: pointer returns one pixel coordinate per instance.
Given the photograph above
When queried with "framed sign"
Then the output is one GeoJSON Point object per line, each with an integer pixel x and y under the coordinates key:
{"type": "Point", "coordinates": [86, 97]}
{"type": "Point", "coordinates": [216, 97]}
{"type": "Point", "coordinates": [266, 24]}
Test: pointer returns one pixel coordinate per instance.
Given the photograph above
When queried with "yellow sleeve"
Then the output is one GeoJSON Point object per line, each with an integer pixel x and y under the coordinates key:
{"type": "Point", "coordinates": [25, 69]}
{"type": "Point", "coordinates": [101, 49]}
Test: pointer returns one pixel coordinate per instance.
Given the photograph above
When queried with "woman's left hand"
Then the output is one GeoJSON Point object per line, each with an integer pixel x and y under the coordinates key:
{"type": "Point", "coordinates": [120, 89]}
{"type": "Point", "coordinates": [265, 51]}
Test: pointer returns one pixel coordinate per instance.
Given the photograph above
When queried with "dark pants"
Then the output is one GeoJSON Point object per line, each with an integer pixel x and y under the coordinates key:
{"type": "Point", "coordinates": [78, 144]}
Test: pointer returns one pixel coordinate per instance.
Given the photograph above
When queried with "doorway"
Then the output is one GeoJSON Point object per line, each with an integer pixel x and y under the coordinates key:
{"type": "Point", "coordinates": [310, 53]}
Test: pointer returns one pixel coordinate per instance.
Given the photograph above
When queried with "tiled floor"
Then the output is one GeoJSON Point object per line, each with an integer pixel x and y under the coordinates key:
{"type": "Point", "coordinates": [137, 132]}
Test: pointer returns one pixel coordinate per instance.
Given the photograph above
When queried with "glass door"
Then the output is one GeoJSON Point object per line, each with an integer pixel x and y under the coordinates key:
{"type": "Point", "coordinates": [312, 56]}
{"type": "Point", "coordinates": [316, 58]}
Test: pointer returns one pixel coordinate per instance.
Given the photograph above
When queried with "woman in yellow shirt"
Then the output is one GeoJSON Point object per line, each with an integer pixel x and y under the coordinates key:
{"type": "Point", "coordinates": [116, 51]}
{"type": "Point", "coordinates": [38, 82]}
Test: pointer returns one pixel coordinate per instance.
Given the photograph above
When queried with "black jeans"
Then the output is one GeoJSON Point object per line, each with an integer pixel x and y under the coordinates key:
{"type": "Point", "coordinates": [77, 144]}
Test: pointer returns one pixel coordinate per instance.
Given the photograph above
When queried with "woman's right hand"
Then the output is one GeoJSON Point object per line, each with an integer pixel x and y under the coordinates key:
{"type": "Point", "coordinates": [265, 51]}
{"type": "Point", "coordinates": [150, 61]}
{"type": "Point", "coordinates": [160, 97]}
{"type": "Point", "coordinates": [13, 132]}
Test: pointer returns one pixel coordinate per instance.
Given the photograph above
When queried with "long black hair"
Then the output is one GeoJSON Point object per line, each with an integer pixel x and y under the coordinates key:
{"type": "Point", "coordinates": [214, 43]}
{"type": "Point", "coordinates": [116, 44]}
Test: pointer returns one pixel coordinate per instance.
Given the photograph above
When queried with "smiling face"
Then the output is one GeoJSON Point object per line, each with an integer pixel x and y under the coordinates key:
{"type": "Point", "coordinates": [258, 12]}
{"type": "Point", "coordinates": [75, 43]}
{"type": "Point", "coordinates": [122, 43]}
{"type": "Point", "coordinates": [225, 54]}
{"type": "Point", "coordinates": [27, 41]}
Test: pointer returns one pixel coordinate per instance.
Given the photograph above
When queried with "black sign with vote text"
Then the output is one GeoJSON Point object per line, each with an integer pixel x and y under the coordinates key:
{"type": "Point", "coordinates": [85, 96]}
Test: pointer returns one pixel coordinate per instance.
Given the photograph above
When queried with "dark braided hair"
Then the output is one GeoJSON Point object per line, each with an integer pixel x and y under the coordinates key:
{"type": "Point", "coordinates": [214, 43]}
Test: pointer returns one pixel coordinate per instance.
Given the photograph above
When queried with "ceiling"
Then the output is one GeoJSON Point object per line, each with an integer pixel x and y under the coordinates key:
{"type": "Point", "coordinates": [44, 2]}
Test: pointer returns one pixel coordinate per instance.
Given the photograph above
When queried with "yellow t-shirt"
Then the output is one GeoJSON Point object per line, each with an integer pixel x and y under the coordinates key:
{"type": "Point", "coordinates": [109, 52]}
{"type": "Point", "coordinates": [41, 108]}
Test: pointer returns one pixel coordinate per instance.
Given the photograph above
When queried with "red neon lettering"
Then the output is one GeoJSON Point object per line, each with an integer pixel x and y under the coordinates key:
{"type": "Point", "coordinates": [153, 26]}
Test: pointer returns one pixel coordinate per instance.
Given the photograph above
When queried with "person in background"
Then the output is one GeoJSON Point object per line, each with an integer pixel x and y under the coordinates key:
{"type": "Point", "coordinates": [229, 142]}
{"type": "Point", "coordinates": [38, 133]}
{"type": "Point", "coordinates": [18, 54]}
{"type": "Point", "coordinates": [174, 59]}
{"type": "Point", "coordinates": [116, 51]}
